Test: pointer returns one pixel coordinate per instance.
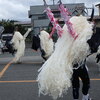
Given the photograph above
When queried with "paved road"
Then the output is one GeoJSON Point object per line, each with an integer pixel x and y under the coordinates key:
{"type": "Point", "coordinates": [18, 81]}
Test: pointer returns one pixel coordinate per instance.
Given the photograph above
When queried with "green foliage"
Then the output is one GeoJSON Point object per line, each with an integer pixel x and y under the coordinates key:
{"type": "Point", "coordinates": [9, 26]}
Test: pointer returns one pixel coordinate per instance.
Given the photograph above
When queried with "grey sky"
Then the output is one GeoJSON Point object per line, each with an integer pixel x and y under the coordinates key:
{"type": "Point", "coordinates": [18, 9]}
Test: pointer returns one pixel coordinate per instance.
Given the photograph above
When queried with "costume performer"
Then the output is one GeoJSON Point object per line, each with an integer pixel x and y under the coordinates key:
{"type": "Point", "coordinates": [55, 74]}
{"type": "Point", "coordinates": [44, 43]}
{"type": "Point", "coordinates": [19, 44]}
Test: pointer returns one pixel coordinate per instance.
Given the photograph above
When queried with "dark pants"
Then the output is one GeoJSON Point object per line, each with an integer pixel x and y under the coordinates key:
{"type": "Point", "coordinates": [81, 73]}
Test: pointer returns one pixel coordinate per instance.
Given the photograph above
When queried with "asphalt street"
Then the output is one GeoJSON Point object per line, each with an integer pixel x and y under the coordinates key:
{"type": "Point", "coordinates": [18, 81]}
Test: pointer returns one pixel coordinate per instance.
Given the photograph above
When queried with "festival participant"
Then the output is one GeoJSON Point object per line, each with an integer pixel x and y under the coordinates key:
{"type": "Point", "coordinates": [44, 43]}
{"type": "Point", "coordinates": [80, 71]}
{"type": "Point", "coordinates": [56, 73]}
{"type": "Point", "coordinates": [72, 47]}
{"type": "Point", "coordinates": [19, 44]}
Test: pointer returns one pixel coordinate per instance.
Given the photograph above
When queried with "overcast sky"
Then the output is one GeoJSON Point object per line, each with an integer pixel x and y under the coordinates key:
{"type": "Point", "coordinates": [18, 9]}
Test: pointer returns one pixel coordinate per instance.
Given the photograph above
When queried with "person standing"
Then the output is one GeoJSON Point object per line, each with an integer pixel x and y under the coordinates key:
{"type": "Point", "coordinates": [80, 72]}
{"type": "Point", "coordinates": [18, 44]}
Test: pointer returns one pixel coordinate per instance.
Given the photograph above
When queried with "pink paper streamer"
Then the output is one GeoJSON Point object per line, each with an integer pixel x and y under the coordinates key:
{"type": "Point", "coordinates": [65, 15]}
{"type": "Point", "coordinates": [54, 23]}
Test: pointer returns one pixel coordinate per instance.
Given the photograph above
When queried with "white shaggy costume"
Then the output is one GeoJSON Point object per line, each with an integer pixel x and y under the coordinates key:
{"type": "Point", "coordinates": [55, 75]}
{"type": "Point", "coordinates": [46, 43]}
{"type": "Point", "coordinates": [19, 44]}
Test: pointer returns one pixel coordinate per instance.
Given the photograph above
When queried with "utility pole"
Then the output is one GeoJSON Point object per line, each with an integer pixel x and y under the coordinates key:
{"type": "Point", "coordinates": [53, 2]}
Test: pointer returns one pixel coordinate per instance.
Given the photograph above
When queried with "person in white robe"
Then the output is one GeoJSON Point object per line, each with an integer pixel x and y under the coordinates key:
{"type": "Point", "coordinates": [18, 41]}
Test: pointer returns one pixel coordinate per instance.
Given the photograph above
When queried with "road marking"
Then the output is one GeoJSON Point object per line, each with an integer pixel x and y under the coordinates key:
{"type": "Point", "coordinates": [5, 68]}
{"type": "Point", "coordinates": [21, 81]}
{"type": "Point", "coordinates": [33, 81]}
{"type": "Point", "coordinates": [95, 79]}
{"type": "Point", "coordinates": [32, 62]}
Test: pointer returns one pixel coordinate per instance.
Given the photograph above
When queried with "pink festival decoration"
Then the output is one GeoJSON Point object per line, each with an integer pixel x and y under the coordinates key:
{"type": "Point", "coordinates": [54, 23]}
{"type": "Point", "coordinates": [65, 15]}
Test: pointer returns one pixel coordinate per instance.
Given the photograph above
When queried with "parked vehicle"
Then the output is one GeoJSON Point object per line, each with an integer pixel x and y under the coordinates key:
{"type": "Point", "coordinates": [6, 43]}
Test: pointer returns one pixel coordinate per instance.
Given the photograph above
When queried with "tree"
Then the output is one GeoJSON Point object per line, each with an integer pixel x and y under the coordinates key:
{"type": "Point", "coordinates": [9, 26]}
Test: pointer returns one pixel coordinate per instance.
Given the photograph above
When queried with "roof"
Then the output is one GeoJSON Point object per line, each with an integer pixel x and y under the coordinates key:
{"type": "Point", "coordinates": [23, 23]}
{"type": "Point", "coordinates": [97, 4]}
{"type": "Point", "coordinates": [39, 9]}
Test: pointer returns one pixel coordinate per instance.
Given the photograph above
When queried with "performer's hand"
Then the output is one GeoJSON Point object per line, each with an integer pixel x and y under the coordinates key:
{"type": "Point", "coordinates": [98, 58]}
{"type": "Point", "coordinates": [29, 29]}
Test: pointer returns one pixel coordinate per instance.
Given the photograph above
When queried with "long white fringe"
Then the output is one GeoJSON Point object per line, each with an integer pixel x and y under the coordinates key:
{"type": "Point", "coordinates": [55, 75]}
{"type": "Point", "coordinates": [53, 79]}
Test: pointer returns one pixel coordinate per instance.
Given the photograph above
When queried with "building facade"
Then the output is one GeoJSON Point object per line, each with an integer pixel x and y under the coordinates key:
{"type": "Point", "coordinates": [26, 24]}
{"type": "Point", "coordinates": [40, 20]}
